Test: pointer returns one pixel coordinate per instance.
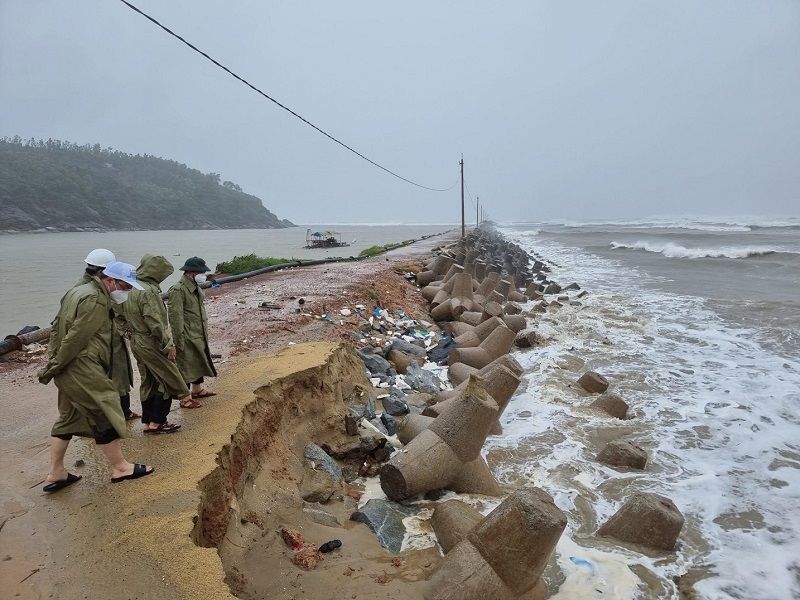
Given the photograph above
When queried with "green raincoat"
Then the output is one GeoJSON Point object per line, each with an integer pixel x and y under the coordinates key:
{"type": "Point", "coordinates": [79, 362]}
{"type": "Point", "coordinates": [121, 369]}
{"type": "Point", "coordinates": [149, 326]}
{"type": "Point", "coordinates": [187, 316]}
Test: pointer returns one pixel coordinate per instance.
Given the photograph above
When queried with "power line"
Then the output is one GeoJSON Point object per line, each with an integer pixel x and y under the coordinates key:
{"type": "Point", "coordinates": [286, 108]}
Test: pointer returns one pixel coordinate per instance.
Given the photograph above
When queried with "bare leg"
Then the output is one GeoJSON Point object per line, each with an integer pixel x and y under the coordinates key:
{"type": "Point", "coordinates": [119, 466]}
{"type": "Point", "coordinates": [58, 449]}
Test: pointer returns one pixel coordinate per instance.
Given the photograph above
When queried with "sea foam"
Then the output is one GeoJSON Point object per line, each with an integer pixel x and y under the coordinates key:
{"type": "Point", "coordinates": [672, 250]}
{"type": "Point", "coordinates": [715, 411]}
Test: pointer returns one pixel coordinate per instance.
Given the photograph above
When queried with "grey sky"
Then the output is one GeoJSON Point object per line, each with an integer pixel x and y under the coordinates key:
{"type": "Point", "coordinates": [562, 110]}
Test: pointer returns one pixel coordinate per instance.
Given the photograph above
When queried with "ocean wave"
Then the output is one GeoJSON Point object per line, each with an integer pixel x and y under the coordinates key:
{"type": "Point", "coordinates": [671, 250]}
{"type": "Point", "coordinates": [743, 223]}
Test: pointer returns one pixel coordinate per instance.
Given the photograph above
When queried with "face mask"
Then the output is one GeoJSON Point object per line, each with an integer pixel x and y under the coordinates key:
{"type": "Point", "coordinates": [200, 278]}
{"type": "Point", "coordinates": [119, 296]}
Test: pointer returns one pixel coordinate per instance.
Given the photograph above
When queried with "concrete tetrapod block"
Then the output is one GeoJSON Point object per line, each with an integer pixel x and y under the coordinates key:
{"type": "Point", "coordinates": [500, 383]}
{"type": "Point", "coordinates": [477, 334]}
{"type": "Point", "coordinates": [462, 285]}
{"type": "Point", "coordinates": [436, 456]}
{"type": "Point", "coordinates": [460, 372]}
{"type": "Point", "coordinates": [465, 423]}
{"type": "Point", "coordinates": [611, 405]}
{"type": "Point", "coordinates": [412, 426]}
{"type": "Point", "coordinates": [646, 519]}
{"type": "Point", "coordinates": [474, 477]}
{"type": "Point", "coordinates": [592, 382]}
{"type": "Point", "coordinates": [621, 453]}
{"type": "Point", "coordinates": [518, 537]}
{"type": "Point", "coordinates": [503, 287]}
{"type": "Point", "coordinates": [504, 555]}
{"type": "Point", "coordinates": [457, 328]}
{"type": "Point", "coordinates": [497, 343]}
{"type": "Point", "coordinates": [451, 521]}
{"type": "Point", "coordinates": [515, 323]}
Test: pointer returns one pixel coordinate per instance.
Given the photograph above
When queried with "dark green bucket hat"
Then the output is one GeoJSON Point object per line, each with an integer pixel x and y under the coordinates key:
{"type": "Point", "coordinates": [195, 265]}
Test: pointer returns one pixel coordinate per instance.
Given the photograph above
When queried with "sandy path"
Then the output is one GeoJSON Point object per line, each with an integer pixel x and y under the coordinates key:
{"type": "Point", "coordinates": [98, 540]}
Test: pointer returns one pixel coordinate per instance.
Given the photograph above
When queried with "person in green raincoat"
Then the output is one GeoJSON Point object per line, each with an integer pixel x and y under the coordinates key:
{"type": "Point", "coordinates": [79, 362]}
{"type": "Point", "coordinates": [152, 346]}
{"type": "Point", "coordinates": [121, 371]}
{"type": "Point", "coordinates": [187, 317]}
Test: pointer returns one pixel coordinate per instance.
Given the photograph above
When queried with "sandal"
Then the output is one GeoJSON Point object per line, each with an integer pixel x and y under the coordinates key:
{"type": "Point", "coordinates": [190, 403]}
{"type": "Point", "coordinates": [132, 416]}
{"type": "Point", "coordinates": [204, 394]}
{"type": "Point", "coordinates": [164, 428]}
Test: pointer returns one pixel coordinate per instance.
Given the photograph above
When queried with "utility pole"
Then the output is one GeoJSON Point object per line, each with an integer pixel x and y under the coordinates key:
{"type": "Point", "coordinates": [477, 204]}
{"type": "Point", "coordinates": [463, 228]}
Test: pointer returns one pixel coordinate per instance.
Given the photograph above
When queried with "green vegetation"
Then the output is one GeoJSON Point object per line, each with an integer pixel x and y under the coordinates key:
{"type": "Point", "coordinates": [67, 187]}
{"type": "Point", "coordinates": [251, 262]}
{"type": "Point", "coordinates": [372, 251]}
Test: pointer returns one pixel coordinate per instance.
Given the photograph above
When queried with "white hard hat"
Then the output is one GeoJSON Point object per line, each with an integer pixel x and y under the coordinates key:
{"type": "Point", "coordinates": [100, 257]}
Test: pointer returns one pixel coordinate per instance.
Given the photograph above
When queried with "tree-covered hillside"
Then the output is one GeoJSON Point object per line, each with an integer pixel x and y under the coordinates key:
{"type": "Point", "coordinates": [66, 187]}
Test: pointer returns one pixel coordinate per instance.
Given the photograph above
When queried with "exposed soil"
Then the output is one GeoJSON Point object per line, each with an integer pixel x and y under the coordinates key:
{"type": "Point", "coordinates": [137, 539]}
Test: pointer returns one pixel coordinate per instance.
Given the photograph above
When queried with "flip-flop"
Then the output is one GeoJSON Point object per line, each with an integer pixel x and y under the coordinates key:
{"type": "Point", "coordinates": [204, 394]}
{"type": "Point", "coordinates": [133, 416]}
{"type": "Point", "coordinates": [138, 471]}
{"type": "Point", "coordinates": [54, 486]}
{"type": "Point", "coordinates": [191, 404]}
{"type": "Point", "coordinates": [164, 428]}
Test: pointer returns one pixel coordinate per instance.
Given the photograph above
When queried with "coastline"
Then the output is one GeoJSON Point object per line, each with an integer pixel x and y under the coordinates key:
{"type": "Point", "coordinates": [54, 541]}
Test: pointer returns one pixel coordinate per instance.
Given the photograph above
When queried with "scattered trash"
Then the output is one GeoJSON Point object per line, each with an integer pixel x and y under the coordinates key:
{"type": "Point", "coordinates": [330, 546]}
{"type": "Point", "coordinates": [345, 312]}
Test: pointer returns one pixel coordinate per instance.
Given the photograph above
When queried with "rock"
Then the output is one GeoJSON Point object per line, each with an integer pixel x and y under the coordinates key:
{"type": "Point", "coordinates": [422, 380]}
{"type": "Point", "coordinates": [385, 519]}
{"type": "Point", "coordinates": [317, 486]}
{"type": "Point", "coordinates": [350, 425]}
{"type": "Point", "coordinates": [612, 405]}
{"type": "Point", "coordinates": [650, 520]}
{"type": "Point", "coordinates": [572, 286]}
{"type": "Point", "coordinates": [527, 339]}
{"type": "Point", "coordinates": [395, 403]}
{"type": "Point", "coordinates": [620, 453]}
{"type": "Point", "coordinates": [389, 423]}
{"type": "Point", "coordinates": [375, 364]}
{"type": "Point", "coordinates": [592, 382]}
{"type": "Point", "coordinates": [356, 449]}
{"type": "Point", "coordinates": [317, 513]}
{"type": "Point", "coordinates": [317, 456]}
{"type": "Point", "coordinates": [308, 557]}
{"type": "Point", "coordinates": [512, 308]}
{"type": "Point", "coordinates": [378, 423]}
{"type": "Point", "coordinates": [383, 454]}
{"type": "Point", "coordinates": [292, 538]}
{"type": "Point", "coordinates": [553, 288]}
{"type": "Point", "coordinates": [407, 347]}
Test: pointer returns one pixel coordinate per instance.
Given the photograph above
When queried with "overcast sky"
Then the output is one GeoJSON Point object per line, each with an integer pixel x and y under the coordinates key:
{"type": "Point", "coordinates": [562, 110]}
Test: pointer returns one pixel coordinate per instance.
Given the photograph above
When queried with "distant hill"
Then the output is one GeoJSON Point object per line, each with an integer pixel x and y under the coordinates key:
{"type": "Point", "coordinates": [59, 186]}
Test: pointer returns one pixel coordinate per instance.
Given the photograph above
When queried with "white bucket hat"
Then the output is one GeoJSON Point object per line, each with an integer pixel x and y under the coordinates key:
{"type": "Point", "coordinates": [123, 272]}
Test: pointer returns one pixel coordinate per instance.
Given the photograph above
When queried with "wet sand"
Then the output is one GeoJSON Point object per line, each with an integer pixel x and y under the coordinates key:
{"type": "Point", "coordinates": [133, 540]}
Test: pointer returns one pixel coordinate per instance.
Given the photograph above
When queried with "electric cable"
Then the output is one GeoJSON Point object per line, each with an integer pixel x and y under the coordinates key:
{"type": "Point", "coordinates": [286, 108]}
